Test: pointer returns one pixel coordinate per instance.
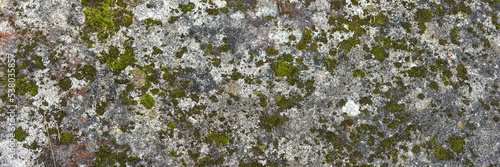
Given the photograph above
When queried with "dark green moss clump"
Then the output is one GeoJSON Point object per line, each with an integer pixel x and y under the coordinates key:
{"type": "Point", "coordinates": [67, 138]}
{"type": "Point", "coordinates": [24, 86]}
{"type": "Point", "coordinates": [419, 71]}
{"type": "Point", "coordinates": [457, 144]}
{"type": "Point", "coordinates": [285, 69]}
{"type": "Point", "coordinates": [349, 43]}
{"type": "Point", "coordinates": [423, 15]}
{"type": "Point", "coordinates": [157, 51]}
{"type": "Point", "coordinates": [187, 7]}
{"type": "Point", "coordinates": [101, 108]}
{"type": "Point", "coordinates": [268, 123]}
{"type": "Point", "coordinates": [181, 52]}
{"type": "Point", "coordinates": [148, 101]}
{"type": "Point", "coordinates": [434, 85]}
{"type": "Point", "coordinates": [220, 138]}
{"type": "Point", "coordinates": [20, 134]}
{"type": "Point", "coordinates": [107, 157]}
{"type": "Point", "coordinates": [330, 64]}
{"type": "Point", "coordinates": [453, 36]}
{"type": "Point", "coordinates": [88, 73]}
{"type": "Point", "coordinates": [306, 39]}
{"type": "Point", "coordinates": [462, 72]}
{"type": "Point", "coordinates": [65, 84]}
{"type": "Point", "coordinates": [177, 93]}
{"type": "Point", "coordinates": [444, 154]}
{"type": "Point", "coordinates": [358, 73]}
{"type": "Point", "coordinates": [379, 53]}
{"type": "Point", "coordinates": [117, 62]}
{"type": "Point", "coordinates": [173, 19]}
{"type": "Point", "coordinates": [149, 22]}
{"type": "Point", "coordinates": [272, 51]}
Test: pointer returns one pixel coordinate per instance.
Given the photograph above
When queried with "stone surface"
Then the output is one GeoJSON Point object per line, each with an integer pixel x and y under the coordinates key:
{"type": "Point", "coordinates": [249, 83]}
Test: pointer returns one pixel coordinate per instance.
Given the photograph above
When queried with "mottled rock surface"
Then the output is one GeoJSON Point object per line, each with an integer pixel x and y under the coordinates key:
{"type": "Point", "coordinates": [250, 83]}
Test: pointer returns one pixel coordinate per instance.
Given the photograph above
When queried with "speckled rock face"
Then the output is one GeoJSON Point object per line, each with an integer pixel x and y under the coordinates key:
{"type": "Point", "coordinates": [250, 83]}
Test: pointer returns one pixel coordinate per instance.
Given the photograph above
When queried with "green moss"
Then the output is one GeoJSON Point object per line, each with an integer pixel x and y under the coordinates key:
{"type": "Point", "coordinates": [20, 134]}
{"type": "Point", "coordinates": [262, 101]}
{"type": "Point", "coordinates": [88, 73]}
{"type": "Point", "coordinates": [423, 15]}
{"type": "Point", "coordinates": [171, 125]}
{"type": "Point", "coordinates": [148, 101]}
{"type": "Point", "coordinates": [330, 64]}
{"type": "Point", "coordinates": [187, 7]}
{"type": "Point", "coordinates": [169, 77]}
{"type": "Point", "coordinates": [462, 72]}
{"type": "Point", "coordinates": [220, 138]}
{"type": "Point", "coordinates": [23, 86]}
{"type": "Point", "coordinates": [349, 43]}
{"type": "Point", "coordinates": [283, 68]}
{"type": "Point", "coordinates": [381, 20]}
{"type": "Point", "coordinates": [453, 36]}
{"type": "Point", "coordinates": [486, 42]}
{"type": "Point", "coordinates": [272, 51]}
{"type": "Point", "coordinates": [394, 107]}
{"type": "Point", "coordinates": [422, 27]}
{"type": "Point", "coordinates": [496, 118]}
{"type": "Point", "coordinates": [177, 93]}
{"type": "Point", "coordinates": [407, 26]}
{"type": "Point", "coordinates": [292, 37]}
{"type": "Point", "coordinates": [155, 91]}
{"type": "Point", "coordinates": [149, 22]}
{"type": "Point", "coordinates": [306, 39]}
{"type": "Point", "coordinates": [379, 53]}
{"type": "Point", "coordinates": [117, 62]}
{"type": "Point", "coordinates": [181, 52]}
{"type": "Point", "coordinates": [173, 19]}
{"type": "Point", "coordinates": [355, 26]}
{"type": "Point", "coordinates": [224, 48]}
{"type": "Point", "coordinates": [494, 20]}
{"type": "Point", "coordinates": [456, 144]}
{"type": "Point", "coordinates": [157, 51]}
{"type": "Point", "coordinates": [65, 84]}
{"type": "Point", "coordinates": [100, 108]}
{"type": "Point", "coordinates": [365, 101]}
{"type": "Point", "coordinates": [421, 96]}
{"type": "Point", "coordinates": [358, 73]}
{"type": "Point", "coordinates": [269, 122]}
{"type": "Point", "coordinates": [444, 154]}
{"type": "Point", "coordinates": [443, 42]}
{"type": "Point", "coordinates": [419, 71]}
{"type": "Point", "coordinates": [106, 157]}
{"type": "Point", "coordinates": [104, 18]}
{"type": "Point", "coordinates": [67, 138]}
{"type": "Point", "coordinates": [434, 85]}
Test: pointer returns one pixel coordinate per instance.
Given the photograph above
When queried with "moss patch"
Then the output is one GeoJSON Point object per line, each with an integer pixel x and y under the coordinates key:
{"type": "Point", "coordinates": [444, 154]}
{"type": "Point", "coordinates": [358, 73]}
{"type": "Point", "coordinates": [349, 43]}
{"type": "Point", "coordinates": [268, 123]}
{"type": "Point", "coordinates": [67, 138]}
{"type": "Point", "coordinates": [65, 84]}
{"type": "Point", "coordinates": [117, 62]}
{"type": "Point", "coordinates": [20, 134]}
{"type": "Point", "coordinates": [103, 18]}
{"type": "Point", "coordinates": [456, 144]}
{"type": "Point", "coordinates": [151, 22]}
{"type": "Point", "coordinates": [147, 101]}
{"type": "Point", "coordinates": [220, 138]}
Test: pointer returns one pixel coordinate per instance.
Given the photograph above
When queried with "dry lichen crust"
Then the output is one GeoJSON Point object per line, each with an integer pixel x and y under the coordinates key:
{"type": "Point", "coordinates": [250, 83]}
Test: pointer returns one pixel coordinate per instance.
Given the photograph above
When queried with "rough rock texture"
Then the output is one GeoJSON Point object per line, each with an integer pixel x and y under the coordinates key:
{"type": "Point", "coordinates": [250, 83]}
